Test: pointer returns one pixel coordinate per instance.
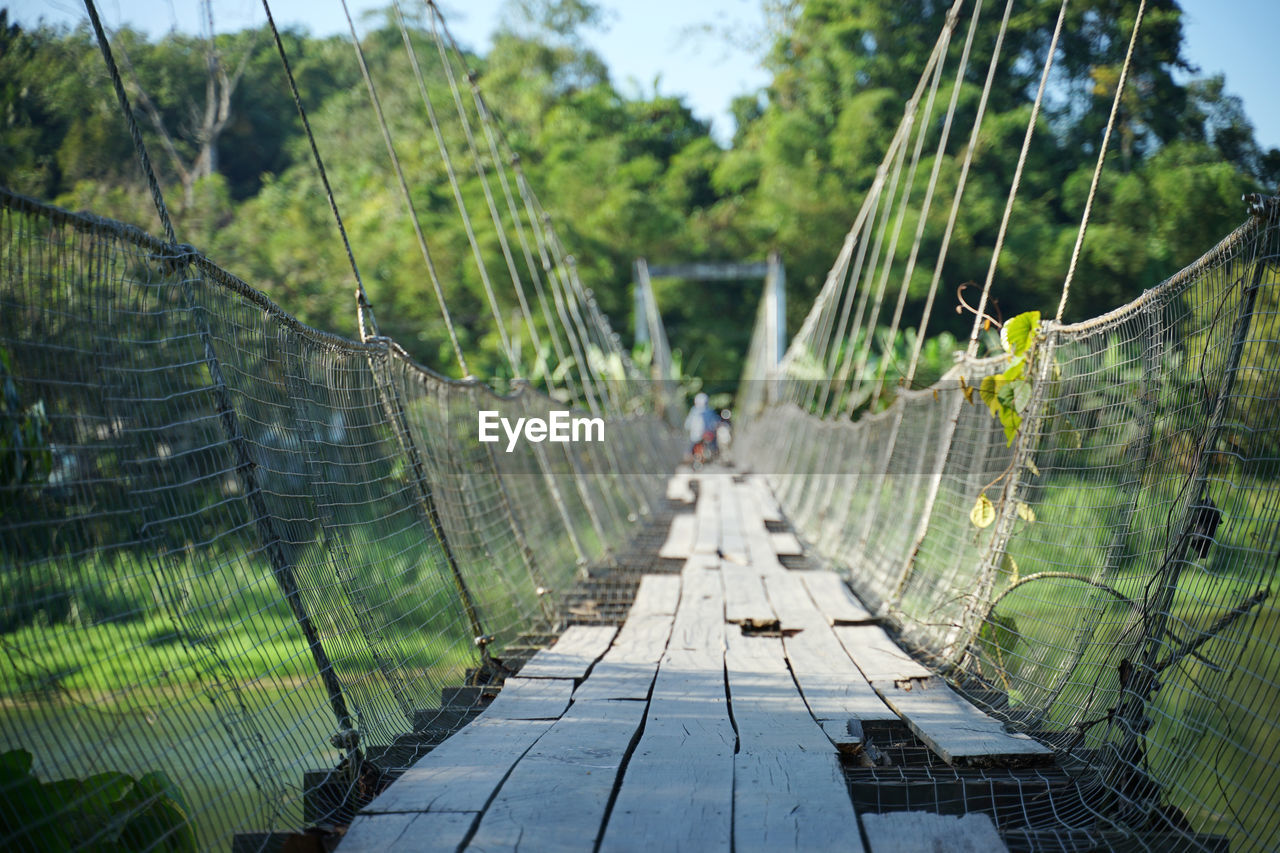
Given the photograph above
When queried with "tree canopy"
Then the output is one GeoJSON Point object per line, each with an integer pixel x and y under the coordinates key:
{"type": "Point", "coordinates": [627, 176]}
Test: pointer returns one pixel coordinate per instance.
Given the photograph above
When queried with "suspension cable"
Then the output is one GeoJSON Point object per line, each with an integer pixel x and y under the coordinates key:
{"type": "Point", "coordinates": [368, 325]}
{"type": "Point", "coordinates": [1102, 156]}
{"type": "Point", "coordinates": [1017, 181]}
{"type": "Point", "coordinates": [408, 199]}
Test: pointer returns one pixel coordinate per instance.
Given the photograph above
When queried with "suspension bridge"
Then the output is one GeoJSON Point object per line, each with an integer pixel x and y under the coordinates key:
{"type": "Point", "coordinates": [266, 589]}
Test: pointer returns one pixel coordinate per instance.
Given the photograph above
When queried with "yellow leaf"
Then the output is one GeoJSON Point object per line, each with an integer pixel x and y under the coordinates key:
{"type": "Point", "coordinates": [983, 513]}
{"type": "Point", "coordinates": [1031, 466]}
{"type": "Point", "coordinates": [1026, 513]}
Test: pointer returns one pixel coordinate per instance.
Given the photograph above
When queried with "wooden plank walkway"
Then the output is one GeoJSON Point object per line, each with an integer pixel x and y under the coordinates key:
{"type": "Point", "coordinates": [714, 719]}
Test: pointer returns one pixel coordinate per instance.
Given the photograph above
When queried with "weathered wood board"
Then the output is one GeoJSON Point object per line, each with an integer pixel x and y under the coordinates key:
{"type": "Point", "coordinates": [688, 741]}
{"type": "Point", "coordinates": [463, 772]}
{"type": "Point", "coordinates": [878, 656]}
{"type": "Point", "coordinates": [789, 792]}
{"type": "Point", "coordinates": [680, 538]}
{"type": "Point", "coordinates": [768, 504]}
{"type": "Point", "coordinates": [831, 684]}
{"type": "Point", "coordinates": [957, 731]}
{"type": "Point", "coordinates": [531, 699]}
{"type": "Point", "coordinates": [911, 832]}
{"type": "Point", "coordinates": [785, 544]}
{"type": "Point", "coordinates": [707, 511]}
{"type": "Point", "coordinates": [679, 487]}
{"type": "Point", "coordinates": [573, 654]}
{"type": "Point", "coordinates": [556, 796]}
{"type": "Point", "coordinates": [760, 553]}
{"type": "Point", "coordinates": [835, 599]}
{"type": "Point", "coordinates": [627, 669]}
{"type": "Point", "coordinates": [425, 831]}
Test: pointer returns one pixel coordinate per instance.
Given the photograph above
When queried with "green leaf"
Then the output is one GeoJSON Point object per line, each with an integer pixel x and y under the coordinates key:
{"type": "Point", "coordinates": [16, 763]}
{"type": "Point", "coordinates": [1020, 331]}
{"type": "Point", "coordinates": [1021, 395]}
{"type": "Point", "coordinates": [983, 513]}
{"type": "Point", "coordinates": [1010, 420]}
{"type": "Point", "coordinates": [988, 391]}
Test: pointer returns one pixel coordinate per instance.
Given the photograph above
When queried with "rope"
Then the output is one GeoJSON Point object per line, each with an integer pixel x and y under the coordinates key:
{"type": "Point", "coordinates": [961, 184]}
{"type": "Point", "coordinates": [408, 200]}
{"type": "Point", "coordinates": [1102, 156]}
{"type": "Point", "coordinates": [363, 307]}
{"type": "Point", "coordinates": [139, 145]}
{"type": "Point", "coordinates": [481, 267]}
{"type": "Point", "coordinates": [1017, 181]}
{"type": "Point", "coordinates": [943, 139]}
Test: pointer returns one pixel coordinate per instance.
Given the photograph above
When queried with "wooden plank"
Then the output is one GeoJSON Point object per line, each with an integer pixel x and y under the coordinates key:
{"type": "Point", "coordinates": [679, 487]}
{"type": "Point", "coordinates": [680, 538]}
{"type": "Point", "coordinates": [531, 699]}
{"type": "Point", "coordinates": [434, 831]}
{"type": "Point", "coordinates": [745, 601]}
{"type": "Point", "coordinates": [708, 514]}
{"type": "Point", "coordinates": [556, 796]}
{"type": "Point", "coordinates": [831, 684]}
{"type": "Point", "coordinates": [909, 832]}
{"type": "Point", "coordinates": [733, 547]}
{"type": "Point", "coordinates": [785, 544]}
{"type": "Point", "coordinates": [878, 656]}
{"type": "Point", "coordinates": [657, 595]}
{"type": "Point", "coordinates": [760, 553]}
{"type": "Point", "coordinates": [789, 791]}
{"type": "Point", "coordinates": [768, 504]}
{"type": "Point", "coordinates": [958, 732]}
{"type": "Point", "coordinates": [835, 599]}
{"type": "Point", "coordinates": [677, 792]}
{"type": "Point", "coordinates": [627, 669]}
{"type": "Point", "coordinates": [463, 772]}
{"type": "Point", "coordinates": [573, 654]}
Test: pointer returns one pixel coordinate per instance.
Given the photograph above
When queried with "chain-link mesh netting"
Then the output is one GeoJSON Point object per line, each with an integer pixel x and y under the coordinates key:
{"type": "Point", "coordinates": [247, 556]}
{"type": "Point", "coordinates": [1113, 592]}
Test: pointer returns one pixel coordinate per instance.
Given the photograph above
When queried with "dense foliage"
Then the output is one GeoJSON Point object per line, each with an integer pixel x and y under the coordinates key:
{"type": "Point", "coordinates": [631, 176]}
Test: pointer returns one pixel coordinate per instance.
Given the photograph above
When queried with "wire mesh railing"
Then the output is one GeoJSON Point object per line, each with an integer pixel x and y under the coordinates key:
{"type": "Point", "coordinates": [240, 559]}
{"type": "Point", "coordinates": [1103, 575]}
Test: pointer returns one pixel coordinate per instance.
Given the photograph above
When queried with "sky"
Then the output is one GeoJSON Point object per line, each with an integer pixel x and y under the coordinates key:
{"type": "Point", "coordinates": [705, 50]}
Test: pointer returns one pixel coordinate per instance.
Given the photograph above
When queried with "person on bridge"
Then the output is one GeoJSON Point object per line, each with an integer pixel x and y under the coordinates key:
{"type": "Point", "coordinates": [701, 422]}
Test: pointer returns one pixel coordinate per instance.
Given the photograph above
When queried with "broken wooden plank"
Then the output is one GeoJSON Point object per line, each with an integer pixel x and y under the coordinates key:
{"type": "Point", "coordinates": [789, 791]}
{"type": "Point", "coordinates": [688, 741]}
{"type": "Point", "coordinates": [957, 731]}
{"type": "Point", "coordinates": [785, 544]}
{"type": "Point", "coordinates": [835, 599]}
{"type": "Point", "coordinates": [909, 832]}
{"type": "Point", "coordinates": [434, 831]}
{"type": "Point", "coordinates": [464, 771]}
{"type": "Point", "coordinates": [531, 699]}
{"type": "Point", "coordinates": [556, 796]}
{"type": "Point", "coordinates": [573, 654]}
{"type": "Point", "coordinates": [745, 601]}
{"type": "Point", "coordinates": [680, 538]}
{"type": "Point", "coordinates": [831, 684]}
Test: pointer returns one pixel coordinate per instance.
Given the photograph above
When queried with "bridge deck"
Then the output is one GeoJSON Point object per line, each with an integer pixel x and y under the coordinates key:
{"type": "Point", "coordinates": [714, 719]}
